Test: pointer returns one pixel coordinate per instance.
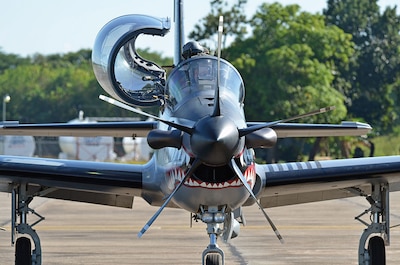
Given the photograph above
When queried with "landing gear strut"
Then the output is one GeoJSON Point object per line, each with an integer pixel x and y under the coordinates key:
{"type": "Point", "coordinates": [376, 236]}
{"type": "Point", "coordinates": [20, 208]}
{"type": "Point", "coordinates": [213, 217]}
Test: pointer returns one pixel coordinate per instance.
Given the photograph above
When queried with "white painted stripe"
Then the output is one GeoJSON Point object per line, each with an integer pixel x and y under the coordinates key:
{"type": "Point", "coordinates": [285, 167]}
{"type": "Point", "coordinates": [33, 162]}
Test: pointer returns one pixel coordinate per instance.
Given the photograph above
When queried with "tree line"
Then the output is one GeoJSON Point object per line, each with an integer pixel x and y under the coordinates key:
{"type": "Point", "coordinates": [54, 88]}
{"type": "Point", "coordinates": [291, 61]}
{"type": "Point", "coordinates": [294, 61]}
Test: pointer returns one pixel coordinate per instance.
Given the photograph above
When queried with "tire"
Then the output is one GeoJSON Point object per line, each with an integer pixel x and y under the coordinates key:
{"type": "Point", "coordinates": [23, 249]}
{"type": "Point", "coordinates": [214, 259]}
{"type": "Point", "coordinates": [376, 251]}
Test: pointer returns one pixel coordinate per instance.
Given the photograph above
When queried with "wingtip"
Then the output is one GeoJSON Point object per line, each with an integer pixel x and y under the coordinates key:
{"type": "Point", "coordinates": [357, 124]}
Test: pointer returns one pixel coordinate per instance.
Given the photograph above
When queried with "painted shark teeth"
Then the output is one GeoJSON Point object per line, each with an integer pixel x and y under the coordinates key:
{"type": "Point", "coordinates": [176, 175]}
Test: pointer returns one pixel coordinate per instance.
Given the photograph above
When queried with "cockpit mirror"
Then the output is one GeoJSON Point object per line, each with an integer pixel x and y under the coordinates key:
{"type": "Point", "coordinates": [120, 70]}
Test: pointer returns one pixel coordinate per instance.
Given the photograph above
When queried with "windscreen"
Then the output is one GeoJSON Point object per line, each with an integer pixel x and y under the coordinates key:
{"type": "Point", "coordinates": [199, 74]}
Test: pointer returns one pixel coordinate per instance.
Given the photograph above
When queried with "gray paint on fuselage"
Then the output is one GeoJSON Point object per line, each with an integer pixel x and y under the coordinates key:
{"type": "Point", "coordinates": [197, 104]}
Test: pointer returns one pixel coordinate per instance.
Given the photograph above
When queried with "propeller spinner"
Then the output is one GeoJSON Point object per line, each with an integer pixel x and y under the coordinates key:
{"type": "Point", "coordinates": [215, 140]}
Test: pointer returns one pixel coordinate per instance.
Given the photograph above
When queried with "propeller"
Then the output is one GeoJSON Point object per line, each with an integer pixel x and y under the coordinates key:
{"type": "Point", "coordinates": [194, 166]}
{"type": "Point", "coordinates": [217, 108]}
{"type": "Point", "coordinates": [117, 103]}
{"type": "Point", "coordinates": [214, 140]}
{"type": "Point", "coordinates": [239, 174]}
{"type": "Point", "coordinates": [248, 130]}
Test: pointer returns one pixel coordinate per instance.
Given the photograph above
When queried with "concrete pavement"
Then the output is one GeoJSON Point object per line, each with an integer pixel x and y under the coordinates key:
{"type": "Point", "coordinates": [314, 233]}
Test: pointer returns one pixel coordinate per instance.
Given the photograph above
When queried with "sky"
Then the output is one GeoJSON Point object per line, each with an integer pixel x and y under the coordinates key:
{"type": "Point", "coordinates": [48, 26]}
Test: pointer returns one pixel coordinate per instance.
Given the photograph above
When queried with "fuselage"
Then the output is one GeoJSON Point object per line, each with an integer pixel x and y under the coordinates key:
{"type": "Point", "coordinates": [201, 128]}
{"type": "Point", "coordinates": [189, 99]}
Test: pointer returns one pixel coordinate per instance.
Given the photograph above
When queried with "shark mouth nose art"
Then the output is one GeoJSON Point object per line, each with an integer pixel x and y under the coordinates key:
{"type": "Point", "coordinates": [176, 175]}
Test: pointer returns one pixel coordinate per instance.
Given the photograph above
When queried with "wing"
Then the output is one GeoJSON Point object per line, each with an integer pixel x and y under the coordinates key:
{"type": "Point", "coordinates": [346, 128]}
{"type": "Point", "coordinates": [301, 182]}
{"type": "Point", "coordinates": [101, 183]}
{"type": "Point", "coordinates": [115, 129]}
{"type": "Point", "coordinates": [112, 184]}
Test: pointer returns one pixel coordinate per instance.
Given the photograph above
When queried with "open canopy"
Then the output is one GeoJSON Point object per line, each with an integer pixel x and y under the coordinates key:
{"type": "Point", "coordinates": [119, 69]}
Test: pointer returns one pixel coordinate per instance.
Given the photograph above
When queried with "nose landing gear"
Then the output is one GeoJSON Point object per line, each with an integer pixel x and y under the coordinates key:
{"type": "Point", "coordinates": [213, 255]}
{"type": "Point", "coordinates": [213, 217]}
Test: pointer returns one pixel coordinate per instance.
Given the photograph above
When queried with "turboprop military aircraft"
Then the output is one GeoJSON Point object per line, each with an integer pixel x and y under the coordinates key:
{"type": "Point", "coordinates": [203, 158]}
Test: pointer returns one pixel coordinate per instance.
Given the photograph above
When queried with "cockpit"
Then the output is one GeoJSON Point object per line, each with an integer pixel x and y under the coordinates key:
{"type": "Point", "coordinates": [128, 77]}
{"type": "Point", "coordinates": [198, 75]}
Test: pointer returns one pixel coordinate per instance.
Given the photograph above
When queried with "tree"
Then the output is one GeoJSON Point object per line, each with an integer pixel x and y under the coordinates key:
{"type": "Point", "coordinates": [42, 93]}
{"type": "Point", "coordinates": [234, 22]}
{"type": "Point", "coordinates": [54, 88]}
{"type": "Point", "coordinates": [8, 61]}
{"type": "Point", "coordinates": [288, 64]}
{"type": "Point", "coordinates": [374, 72]}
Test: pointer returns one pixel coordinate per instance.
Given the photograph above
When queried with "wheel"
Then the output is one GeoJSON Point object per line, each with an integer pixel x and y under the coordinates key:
{"type": "Point", "coordinates": [23, 254]}
{"type": "Point", "coordinates": [376, 251]}
{"type": "Point", "coordinates": [214, 259]}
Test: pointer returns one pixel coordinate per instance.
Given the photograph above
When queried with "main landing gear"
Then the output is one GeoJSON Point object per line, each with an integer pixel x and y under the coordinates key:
{"type": "Point", "coordinates": [24, 255]}
{"type": "Point", "coordinates": [376, 236]}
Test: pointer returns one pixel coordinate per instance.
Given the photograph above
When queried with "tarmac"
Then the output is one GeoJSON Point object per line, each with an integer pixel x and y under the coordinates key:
{"type": "Point", "coordinates": [80, 233]}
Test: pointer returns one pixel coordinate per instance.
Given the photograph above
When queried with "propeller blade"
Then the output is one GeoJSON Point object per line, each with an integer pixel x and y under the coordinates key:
{"type": "Point", "coordinates": [239, 173]}
{"type": "Point", "coordinates": [220, 30]}
{"type": "Point", "coordinates": [117, 103]}
{"type": "Point", "coordinates": [217, 108]}
{"type": "Point", "coordinates": [246, 131]}
{"type": "Point", "coordinates": [195, 164]}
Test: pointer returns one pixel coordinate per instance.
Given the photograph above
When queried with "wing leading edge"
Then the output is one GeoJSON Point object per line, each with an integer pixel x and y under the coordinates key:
{"type": "Point", "coordinates": [141, 129]}
{"type": "Point", "coordinates": [115, 129]}
{"type": "Point", "coordinates": [301, 182]}
{"type": "Point", "coordinates": [346, 128]}
{"type": "Point", "coordinates": [95, 182]}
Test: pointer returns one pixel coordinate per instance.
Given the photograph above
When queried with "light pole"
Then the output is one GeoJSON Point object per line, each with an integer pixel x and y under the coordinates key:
{"type": "Point", "coordinates": [6, 99]}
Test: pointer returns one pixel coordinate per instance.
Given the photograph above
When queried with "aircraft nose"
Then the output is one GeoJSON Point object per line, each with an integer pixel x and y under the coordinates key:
{"type": "Point", "coordinates": [215, 140]}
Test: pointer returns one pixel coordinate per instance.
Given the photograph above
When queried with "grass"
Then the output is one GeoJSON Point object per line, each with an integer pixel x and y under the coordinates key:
{"type": "Point", "coordinates": [387, 145]}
